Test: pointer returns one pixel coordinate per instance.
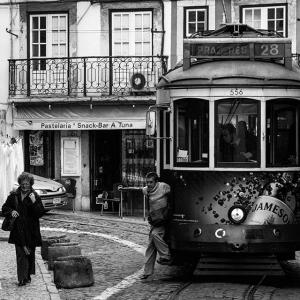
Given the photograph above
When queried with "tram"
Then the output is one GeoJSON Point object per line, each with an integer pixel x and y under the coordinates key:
{"type": "Point", "coordinates": [227, 124]}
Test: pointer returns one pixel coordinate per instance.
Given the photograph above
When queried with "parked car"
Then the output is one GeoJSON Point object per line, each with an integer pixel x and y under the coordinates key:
{"type": "Point", "coordinates": [52, 193]}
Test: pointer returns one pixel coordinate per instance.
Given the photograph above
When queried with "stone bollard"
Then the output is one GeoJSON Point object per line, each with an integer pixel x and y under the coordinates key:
{"type": "Point", "coordinates": [73, 271]}
{"type": "Point", "coordinates": [49, 241]}
{"type": "Point", "coordinates": [62, 249]}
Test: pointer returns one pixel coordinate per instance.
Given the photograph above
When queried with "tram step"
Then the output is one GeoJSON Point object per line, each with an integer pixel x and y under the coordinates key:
{"type": "Point", "coordinates": [238, 266]}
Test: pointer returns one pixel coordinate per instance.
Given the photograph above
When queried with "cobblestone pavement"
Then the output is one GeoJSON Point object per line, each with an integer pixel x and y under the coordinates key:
{"type": "Point", "coordinates": [41, 286]}
{"type": "Point", "coordinates": [113, 262]}
{"type": "Point", "coordinates": [103, 240]}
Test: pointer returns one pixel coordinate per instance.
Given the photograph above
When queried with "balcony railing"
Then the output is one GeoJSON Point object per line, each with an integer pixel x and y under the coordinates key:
{"type": "Point", "coordinates": [85, 76]}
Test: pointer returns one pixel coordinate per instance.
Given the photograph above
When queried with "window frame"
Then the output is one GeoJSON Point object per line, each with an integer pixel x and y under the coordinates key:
{"type": "Point", "coordinates": [49, 35]}
{"type": "Point", "coordinates": [132, 40]}
{"type": "Point", "coordinates": [204, 164]}
{"type": "Point", "coordinates": [166, 121]}
{"type": "Point", "coordinates": [265, 19]}
{"type": "Point", "coordinates": [270, 149]}
{"type": "Point", "coordinates": [237, 165]}
{"type": "Point", "coordinates": [185, 18]}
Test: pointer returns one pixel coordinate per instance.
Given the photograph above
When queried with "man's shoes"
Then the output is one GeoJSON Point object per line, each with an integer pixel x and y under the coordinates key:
{"type": "Point", "coordinates": [145, 276]}
{"type": "Point", "coordinates": [28, 280]}
{"type": "Point", "coordinates": [164, 261]}
{"type": "Point", "coordinates": [22, 282]}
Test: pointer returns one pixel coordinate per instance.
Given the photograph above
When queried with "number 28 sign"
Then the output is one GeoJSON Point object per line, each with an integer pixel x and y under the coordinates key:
{"type": "Point", "coordinates": [269, 50]}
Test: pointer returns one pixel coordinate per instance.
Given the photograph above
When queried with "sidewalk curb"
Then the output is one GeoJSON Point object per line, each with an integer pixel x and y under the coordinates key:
{"type": "Point", "coordinates": [51, 288]}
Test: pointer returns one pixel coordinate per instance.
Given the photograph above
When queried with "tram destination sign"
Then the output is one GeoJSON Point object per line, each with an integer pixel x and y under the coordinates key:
{"type": "Point", "coordinates": [238, 50]}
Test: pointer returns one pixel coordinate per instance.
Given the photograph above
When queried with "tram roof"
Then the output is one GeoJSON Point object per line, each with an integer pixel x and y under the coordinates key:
{"type": "Point", "coordinates": [229, 72]}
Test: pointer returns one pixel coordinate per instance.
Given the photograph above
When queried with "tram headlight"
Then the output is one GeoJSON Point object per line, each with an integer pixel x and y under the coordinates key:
{"type": "Point", "coordinates": [237, 214]}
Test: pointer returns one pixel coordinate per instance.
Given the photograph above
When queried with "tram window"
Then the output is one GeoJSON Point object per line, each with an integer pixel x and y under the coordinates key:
{"type": "Point", "coordinates": [191, 125]}
{"type": "Point", "coordinates": [282, 133]}
{"type": "Point", "coordinates": [167, 116]}
{"type": "Point", "coordinates": [236, 133]}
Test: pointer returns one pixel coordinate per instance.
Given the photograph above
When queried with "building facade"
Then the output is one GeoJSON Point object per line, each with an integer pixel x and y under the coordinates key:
{"type": "Point", "coordinates": [82, 74]}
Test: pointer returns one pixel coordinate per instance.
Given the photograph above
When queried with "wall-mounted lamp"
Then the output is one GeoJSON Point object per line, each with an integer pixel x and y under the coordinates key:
{"type": "Point", "coordinates": [29, 122]}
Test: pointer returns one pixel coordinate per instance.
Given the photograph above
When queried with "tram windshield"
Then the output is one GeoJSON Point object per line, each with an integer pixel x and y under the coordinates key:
{"type": "Point", "coordinates": [282, 133]}
{"type": "Point", "coordinates": [192, 132]}
{"type": "Point", "coordinates": [237, 131]}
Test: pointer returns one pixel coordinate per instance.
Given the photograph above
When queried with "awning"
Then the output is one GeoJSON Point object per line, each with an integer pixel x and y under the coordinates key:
{"type": "Point", "coordinates": [80, 117]}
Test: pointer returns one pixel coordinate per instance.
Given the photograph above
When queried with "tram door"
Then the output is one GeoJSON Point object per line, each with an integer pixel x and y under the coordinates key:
{"type": "Point", "coordinates": [105, 162]}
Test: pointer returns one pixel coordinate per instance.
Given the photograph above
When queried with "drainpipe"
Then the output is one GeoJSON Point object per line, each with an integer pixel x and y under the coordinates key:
{"type": "Point", "coordinates": [163, 27]}
{"type": "Point", "coordinates": [10, 25]}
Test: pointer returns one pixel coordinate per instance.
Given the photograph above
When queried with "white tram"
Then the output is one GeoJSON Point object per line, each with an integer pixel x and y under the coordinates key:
{"type": "Point", "coordinates": [228, 128]}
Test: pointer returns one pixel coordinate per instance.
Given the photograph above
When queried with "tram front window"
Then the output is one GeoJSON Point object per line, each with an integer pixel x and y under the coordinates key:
{"type": "Point", "coordinates": [237, 132]}
{"type": "Point", "coordinates": [282, 133]}
{"type": "Point", "coordinates": [191, 132]}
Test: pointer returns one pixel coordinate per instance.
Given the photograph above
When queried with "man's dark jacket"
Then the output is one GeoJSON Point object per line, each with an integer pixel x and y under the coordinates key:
{"type": "Point", "coordinates": [26, 230]}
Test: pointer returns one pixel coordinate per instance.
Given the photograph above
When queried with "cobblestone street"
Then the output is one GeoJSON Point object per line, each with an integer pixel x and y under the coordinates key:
{"type": "Point", "coordinates": [116, 248]}
{"type": "Point", "coordinates": [113, 262]}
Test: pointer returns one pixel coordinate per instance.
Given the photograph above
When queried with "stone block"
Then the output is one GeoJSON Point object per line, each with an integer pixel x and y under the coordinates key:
{"type": "Point", "coordinates": [49, 241]}
{"type": "Point", "coordinates": [73, 271]}
{"type": "Point", "coordinates": [60, 250]}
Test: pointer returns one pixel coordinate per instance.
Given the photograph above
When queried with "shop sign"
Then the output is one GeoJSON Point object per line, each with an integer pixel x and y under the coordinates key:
{"type": "Point", "coordinates": [80, 125]}
{"type": "Point", "coordinates": [70, 156]}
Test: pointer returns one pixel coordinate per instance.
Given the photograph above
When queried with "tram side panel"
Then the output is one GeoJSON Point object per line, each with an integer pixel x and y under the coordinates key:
{"type": "Point", "coordinates": [201, 202]}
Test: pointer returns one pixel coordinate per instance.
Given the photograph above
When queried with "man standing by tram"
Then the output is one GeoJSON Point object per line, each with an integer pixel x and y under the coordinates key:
{"type": "Point", "coordinates": [157, 196]}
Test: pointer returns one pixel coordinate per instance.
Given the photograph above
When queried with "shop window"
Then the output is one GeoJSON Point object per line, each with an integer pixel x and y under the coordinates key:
{"type": "Point", "coordinates": [192, 134]}
{"type": "Point", "coordinates": [236, 133]}
{"type": "Point", "coordinates": [282, 133]}
{"type": "Point", "coordinates": [196, 20]}
{"type": "Point", "coordinates": [266, 17]}
{"type": "Point", "coordinates": [139, 157]}
{"type": "Point", "coordinates": [39, 152]}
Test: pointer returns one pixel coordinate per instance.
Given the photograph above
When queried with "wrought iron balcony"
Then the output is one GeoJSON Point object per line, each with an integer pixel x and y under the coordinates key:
{"type": "Point", "coordinates": [85, 76]}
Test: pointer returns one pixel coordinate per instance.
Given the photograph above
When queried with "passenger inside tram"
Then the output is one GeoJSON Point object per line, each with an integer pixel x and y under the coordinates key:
{"type": "Point", "coordinates": [237, 144]}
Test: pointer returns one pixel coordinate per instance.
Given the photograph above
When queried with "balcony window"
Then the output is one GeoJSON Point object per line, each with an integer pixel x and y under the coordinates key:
{"type": "Point", "coordinates": [196, 20]}
{"type": "Point", "coordinates": [131, 36]}
{"type": "Point", "coordinates": [192, 133]}
{"type": "Point", "coordinates": [131, 33]}
{"type": "Point", "coordinates": [283, 133]}
{"type": "Point", "coordinates": [48, 38]}
{"type": "Point", "coordinates": [266, 17]}
{"type": "Point", "coordinates": [237, 132]}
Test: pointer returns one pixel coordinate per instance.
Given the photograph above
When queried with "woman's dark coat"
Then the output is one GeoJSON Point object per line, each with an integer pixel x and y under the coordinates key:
{"type": "Point", "coordinates": [26, 230]}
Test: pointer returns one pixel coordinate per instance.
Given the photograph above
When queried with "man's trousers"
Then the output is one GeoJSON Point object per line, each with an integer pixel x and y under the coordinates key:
{"type": "Point", "coordinates": [25, 263]}
{"type": "Point", "coordinates": [156, 244]}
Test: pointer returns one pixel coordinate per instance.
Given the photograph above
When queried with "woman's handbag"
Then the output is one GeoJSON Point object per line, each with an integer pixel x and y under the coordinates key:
{"type": "Point", "coordinates": [8, 222]}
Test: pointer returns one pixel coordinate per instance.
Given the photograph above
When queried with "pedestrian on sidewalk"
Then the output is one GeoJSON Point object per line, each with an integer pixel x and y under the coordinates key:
{"type": "Point", "coordinates": [26, 206]}
{"type": "Point", "coordinates": [157, 197]}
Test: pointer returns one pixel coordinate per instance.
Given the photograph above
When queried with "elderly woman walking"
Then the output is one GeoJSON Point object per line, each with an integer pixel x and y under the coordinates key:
{"type": "Point", "coordinates": [26, 206]}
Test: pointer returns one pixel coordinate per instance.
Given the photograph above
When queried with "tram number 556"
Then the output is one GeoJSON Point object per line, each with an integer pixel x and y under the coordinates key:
{"type": "Point", "coordinates": [236, 92]}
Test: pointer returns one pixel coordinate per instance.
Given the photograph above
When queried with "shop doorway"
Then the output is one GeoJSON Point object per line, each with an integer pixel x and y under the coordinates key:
{"type": "Point", "coordinates": [105, 162]}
